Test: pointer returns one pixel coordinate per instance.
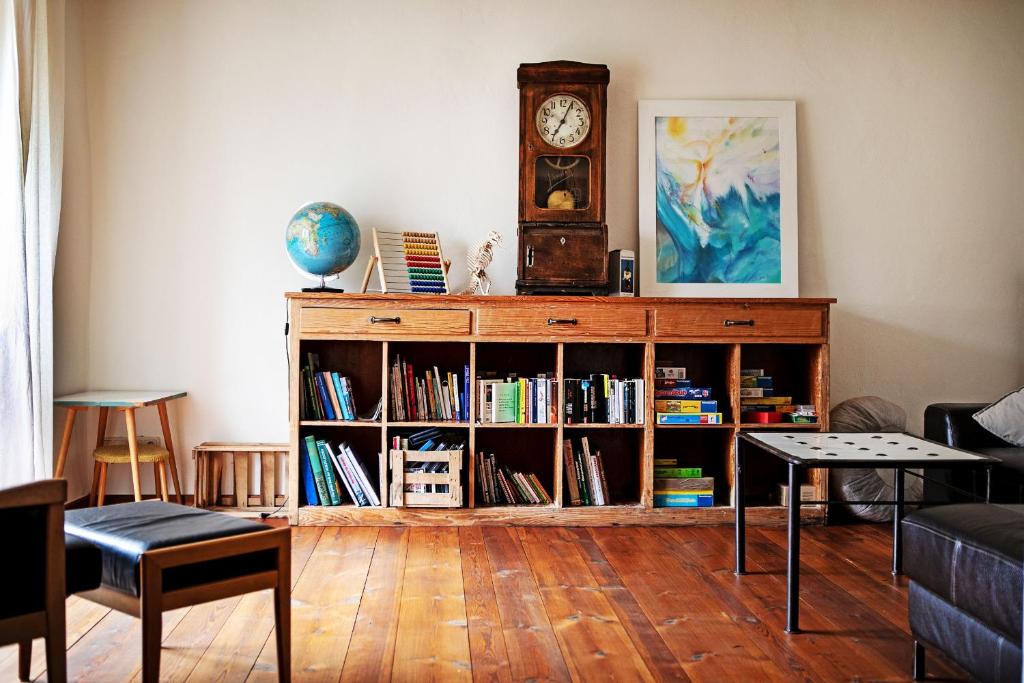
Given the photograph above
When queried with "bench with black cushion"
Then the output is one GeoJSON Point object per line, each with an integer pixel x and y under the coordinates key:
{"type": "Point", "coordinates": [966, 570]}
{"type": "Point", "coordinates": [159, 556]}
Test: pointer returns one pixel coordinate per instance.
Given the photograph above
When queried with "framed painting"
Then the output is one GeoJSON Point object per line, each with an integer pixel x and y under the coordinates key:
{"type": "Point", "coordinates": [718, 204]}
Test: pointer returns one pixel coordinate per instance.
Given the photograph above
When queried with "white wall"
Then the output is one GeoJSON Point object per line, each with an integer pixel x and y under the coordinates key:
{"type": "Point", "coordinates": [201, 126]}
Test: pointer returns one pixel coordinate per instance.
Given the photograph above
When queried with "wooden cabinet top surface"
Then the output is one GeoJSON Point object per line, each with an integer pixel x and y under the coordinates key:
{"type": "Point", "coordinates": [475, 300]}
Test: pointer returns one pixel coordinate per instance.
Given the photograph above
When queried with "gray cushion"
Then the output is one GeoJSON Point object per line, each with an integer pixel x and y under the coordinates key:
{"type": "Point", "coordinates": [1005, 417]}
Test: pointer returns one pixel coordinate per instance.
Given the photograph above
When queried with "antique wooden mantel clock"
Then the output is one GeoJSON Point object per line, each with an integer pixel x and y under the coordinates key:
{"type": "Point", "coordinates": [563, 238]}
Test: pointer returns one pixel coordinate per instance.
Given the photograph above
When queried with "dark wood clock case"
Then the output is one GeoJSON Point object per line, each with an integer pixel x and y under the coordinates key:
{"type": "Point", "coordinates": [562, 251]}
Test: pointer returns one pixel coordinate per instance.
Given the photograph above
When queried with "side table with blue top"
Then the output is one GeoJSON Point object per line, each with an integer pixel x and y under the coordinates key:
{"type": "Point", "coordinates": [128, 401]}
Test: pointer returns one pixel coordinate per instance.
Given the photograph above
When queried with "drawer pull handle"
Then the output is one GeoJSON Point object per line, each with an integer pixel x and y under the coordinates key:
{"type": "Point", "coordinates": [374, 320]}
{"type": "Point", "coordinates": [561, 321]}
{"type": "Point", "coordinates": [738, 323]}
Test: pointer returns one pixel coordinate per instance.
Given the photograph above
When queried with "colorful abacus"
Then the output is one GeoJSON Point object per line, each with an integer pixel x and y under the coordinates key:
{"type": "Point", "coordinates": [410, 262]}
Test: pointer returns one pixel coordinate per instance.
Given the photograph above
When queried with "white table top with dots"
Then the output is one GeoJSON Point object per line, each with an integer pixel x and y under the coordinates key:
{"type": "Point", "coordinates": [872, 448]}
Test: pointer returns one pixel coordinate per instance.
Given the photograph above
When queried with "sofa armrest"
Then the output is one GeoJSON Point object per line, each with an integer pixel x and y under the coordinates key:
{"type": "Point", "coordinates": [953, 424]}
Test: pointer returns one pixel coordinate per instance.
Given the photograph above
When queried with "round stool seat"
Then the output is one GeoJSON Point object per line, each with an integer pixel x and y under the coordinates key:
{"type": "Point", "coordinates": [119, 454]}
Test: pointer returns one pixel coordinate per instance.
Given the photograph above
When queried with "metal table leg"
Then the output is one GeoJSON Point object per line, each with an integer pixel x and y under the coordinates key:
{"type": "Point", "coordinates": [897, 528]}
{"type": "Point", "coordinates": [988, 483]}
{"type": "Point", "coordinates": [741, 522]}
{"type": "Point", "coordinates": [793, 553]}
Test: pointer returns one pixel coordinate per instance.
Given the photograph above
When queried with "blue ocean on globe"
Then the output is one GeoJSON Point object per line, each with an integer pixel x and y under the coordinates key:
{"type": "Point", "coordinates": [322, 239]}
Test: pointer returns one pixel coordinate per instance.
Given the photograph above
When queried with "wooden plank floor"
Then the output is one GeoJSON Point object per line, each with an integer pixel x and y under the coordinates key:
{"type": "Point", "coordinates": [511, 604]}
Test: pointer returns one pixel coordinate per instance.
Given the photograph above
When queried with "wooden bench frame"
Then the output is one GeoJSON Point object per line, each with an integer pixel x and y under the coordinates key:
{"type": "Point", "coordinates": [153, 601]}
{"type": "Point", "coordinates": [49, 622]}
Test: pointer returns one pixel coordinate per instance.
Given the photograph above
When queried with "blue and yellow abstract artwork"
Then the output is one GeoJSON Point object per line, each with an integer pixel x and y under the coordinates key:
{"type": "Point", "coordinates": [717, 200]}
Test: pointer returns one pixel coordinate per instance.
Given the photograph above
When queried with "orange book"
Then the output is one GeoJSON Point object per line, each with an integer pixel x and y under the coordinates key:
{"type": "Point", "coordinates": [334, 396]}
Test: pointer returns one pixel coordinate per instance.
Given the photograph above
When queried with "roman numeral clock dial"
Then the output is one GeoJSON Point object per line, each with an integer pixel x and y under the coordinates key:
{"type": "Point", "coordinates": [563, 121]}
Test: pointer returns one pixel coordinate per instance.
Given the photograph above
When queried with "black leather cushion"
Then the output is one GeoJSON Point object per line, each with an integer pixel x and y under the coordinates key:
{"type": "Point", "coordinates": [83, 565]}
{"type": "Point", "coordinates": [970, 556]}
{"type": "Point", "coordinates": [124, 532]}
{"type": "Point", "coordinates": [953, 424]}
{"type": "Point", "coordinates": [986, 654]}
{"type": "Point", "coordinates": [23, 572]}
{"type": "Point", "coordinates": [1010, 458]}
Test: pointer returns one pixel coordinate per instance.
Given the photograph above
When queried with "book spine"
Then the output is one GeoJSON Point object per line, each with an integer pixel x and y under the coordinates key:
{"type": "Point", "coordinates": [581, 479]}
{"type": "Point", "coordinates": [327, 469]}
{"type": "Point", "coordinates": [350, 399]}
{"type": "Point", "coordinates": [339, 394]}
{"type": "Point", "coordinates": [599, 461]}
{"type": "Point", "coordinates": [306, 471]}
{"type": "Point", "coordinates": [361, 476]}
{"type": "Point", "coordinates": [325, 400]}
{"type": "Point", "coordinates": [345, 480]}
{"type": "Point", "coordinates": [465, 393]}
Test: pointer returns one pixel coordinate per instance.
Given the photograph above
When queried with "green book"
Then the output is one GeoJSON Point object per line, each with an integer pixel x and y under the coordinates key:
{"type": "Point", "coordinates": [678, 472]}
{"type": "Point", "coordinates": [328, 468]}
{"type": "Point", "coordinates": [504, 401]}
{"type": "Point", "coordinates": [318, 470]}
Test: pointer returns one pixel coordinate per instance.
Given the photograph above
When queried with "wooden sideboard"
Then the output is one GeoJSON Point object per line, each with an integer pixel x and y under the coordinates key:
{"type": "Point", "coordinates": [358, 335]}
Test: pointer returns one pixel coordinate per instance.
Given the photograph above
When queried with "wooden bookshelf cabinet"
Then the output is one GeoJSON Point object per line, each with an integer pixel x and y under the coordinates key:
{"type": "Point", "coordinates": [358, 335]}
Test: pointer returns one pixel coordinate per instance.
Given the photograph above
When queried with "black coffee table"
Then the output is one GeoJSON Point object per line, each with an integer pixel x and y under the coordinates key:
{"type": "Point", "coordinates": [834, 450]}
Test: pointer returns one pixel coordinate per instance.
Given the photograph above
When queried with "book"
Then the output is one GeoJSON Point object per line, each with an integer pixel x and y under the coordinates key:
{"type": "Point", "coordinates": [677, 472]}
{"type": "Point", "coordinates": [328, 469]}
{"type": "Point", "coordinates": [570, 473]}
{"type": "Point", "coordinates": [604, 399]}
{"type": "Point", "coordinates": [752, 382]}
{"type": "Point", "coordinates": [688, 418]}
{"type": "Point", "coordinates": [332, 394]}
{"type": "Point", "coordinates": [500, 485]}
{"type": "Point", "coordinates": [684, 393]}
{"type": "Point", "coordinates": [354, 492]}
{"type": "Point", "coordinates": [316, 465]}
{"type": "Point", "coordinates": [669, 371]}
{"type": "Point", "coordinates": [755, 392]}
{"type": "Point", "coordinates": [667, 462]}
{"type": "Point", "coordinates": [681, 406]}
{"type": "Point", "coordinates": [504, 402]}
{"type": "Point", "coordinates": [361, 475]}
{"type": "Point", "coordinates": [684, 484]}
{"type": "Point", "coordinates": [306, 472]}
{"type": "Point", "coordinates": [752, 372]}
{"type": "Point", "coordinates": [691, 500]}
{"type": "Point", "coordinates": [766, 400]}
{"type": "Point", "coordinates": [325, 399]}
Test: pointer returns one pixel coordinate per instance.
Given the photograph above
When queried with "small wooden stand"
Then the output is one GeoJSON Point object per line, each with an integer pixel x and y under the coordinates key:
{"type": "Point", "coordinates": [399, 478]}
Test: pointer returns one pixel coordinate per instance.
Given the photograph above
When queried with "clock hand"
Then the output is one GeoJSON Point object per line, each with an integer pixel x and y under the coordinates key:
{"type": "Point", "coordinates": [562, 122]}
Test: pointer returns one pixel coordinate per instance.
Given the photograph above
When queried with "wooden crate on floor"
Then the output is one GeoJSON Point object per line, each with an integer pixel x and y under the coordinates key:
{"type": "Point", "coordinates": [452, 498]}
{"type": "Point", "coordinates": [217, 463]}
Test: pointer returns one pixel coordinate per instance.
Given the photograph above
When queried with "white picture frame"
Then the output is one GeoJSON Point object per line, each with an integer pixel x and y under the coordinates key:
{"type": "Point", "coordinates": [740, 266]}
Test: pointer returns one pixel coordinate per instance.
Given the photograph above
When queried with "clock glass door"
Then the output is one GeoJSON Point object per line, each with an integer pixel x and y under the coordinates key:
{"type": "Point", "coordinates": [562, 182]}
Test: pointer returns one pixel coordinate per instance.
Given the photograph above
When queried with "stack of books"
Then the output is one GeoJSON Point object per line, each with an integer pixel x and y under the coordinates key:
{"type": "Point", "coordinates": [677, 401]}
{"type": "Point", "coordinates": [435, 397]}
{"type": "Point", "coordinates": [329, 472]}
{"type": "Point", "coordinates": [499, 485]}
{"type": "Point", "coordinates": [584, 473]}
{"type": "Point", "coordinates": [521, 400]}
{"type": "Point", "coordinates": [676, 486]}
{"type": "Point", "coordinates": [327, 395]}
{"type": "Point", "coordinates": [604, 399]}
{"type": "Point", "coordinates": [432, 439]}
{"type": "Point", "coordinates": [761, 405]}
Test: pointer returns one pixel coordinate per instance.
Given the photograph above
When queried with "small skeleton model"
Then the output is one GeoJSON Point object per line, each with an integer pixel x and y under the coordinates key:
{"type": "Point", "coordinates": [478, 262]}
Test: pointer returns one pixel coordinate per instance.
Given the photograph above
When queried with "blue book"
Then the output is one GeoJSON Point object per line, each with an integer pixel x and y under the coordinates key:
{"type": "Point", "coordinates": [684, 500]}
{"type": "Point", "coordinates": [339, 389]}
{"type": "Point", "coordinates": [325, 398]}
{"type": "Point", "coordinates": [465, 394]}
{"type": "Point", "coordinates": [306, 473]}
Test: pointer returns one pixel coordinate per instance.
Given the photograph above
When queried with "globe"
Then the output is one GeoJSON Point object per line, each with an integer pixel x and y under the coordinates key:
{"type": "Point", "coordinates": [322, 240]}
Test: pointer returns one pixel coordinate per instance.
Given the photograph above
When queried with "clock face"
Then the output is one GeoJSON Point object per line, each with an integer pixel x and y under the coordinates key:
{"type": "Point", "coordinates": [563, 121]}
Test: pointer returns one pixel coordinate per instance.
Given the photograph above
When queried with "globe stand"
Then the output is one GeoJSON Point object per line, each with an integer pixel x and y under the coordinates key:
{"type": "Point", "coordinates": [323, 288]}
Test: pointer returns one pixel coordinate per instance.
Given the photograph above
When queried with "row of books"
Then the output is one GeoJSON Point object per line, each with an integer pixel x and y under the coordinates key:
{"type": "Point", "coordinates": [676, 486]}
{"type": "Point", "coordinates": [434, 397]}
{"type": "Point", "coordinates": [584, 474]}
{"type": "Point", "coordinates": [604, 398]}
{"type": "Point", "coordinates": [328, 473]}
{"type": "Point", "coordinates": [326, 395]}
{"type": "Point", "coordinates": [522, 400]}
{"type": "Point", "coordinates": [759, 403]}
{"type": "Point", "coordinates": [499, 485]}
{"type": "Point", "coordinates": [432, 439]}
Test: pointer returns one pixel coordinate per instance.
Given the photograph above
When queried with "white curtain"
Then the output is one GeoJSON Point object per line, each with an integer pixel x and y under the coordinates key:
{"type": "Point", "coordinates": [31, 154]}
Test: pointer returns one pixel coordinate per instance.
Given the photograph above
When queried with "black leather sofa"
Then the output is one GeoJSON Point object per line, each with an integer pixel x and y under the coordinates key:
{"type": "Point", "coordinates": [953, 424]}
{"type": "Point", "coordinates": [966, 561]}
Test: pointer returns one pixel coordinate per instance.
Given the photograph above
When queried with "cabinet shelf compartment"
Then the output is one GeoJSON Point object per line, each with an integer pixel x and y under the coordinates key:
{"type": "Point", "coordinates": [620, 455]}
{"type": "Point", "coordinates": [521, 450]}
{"type": "Point", "coordinates": [796, 371]}
{"type": "Point", "coordinates": [707, 366]}
{"type": "Point", "coordinates": [360, 361]}
{"type": "Point", "coordinates": [365, 445]}
{"type": "Point", "coordinates": [423, 357]}
{"type": "Point", "coordinates": [708, 449]}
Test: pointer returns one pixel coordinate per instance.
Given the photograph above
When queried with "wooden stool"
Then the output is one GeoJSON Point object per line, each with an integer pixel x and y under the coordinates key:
{"type": "Point", "coordinates": [120, 455]}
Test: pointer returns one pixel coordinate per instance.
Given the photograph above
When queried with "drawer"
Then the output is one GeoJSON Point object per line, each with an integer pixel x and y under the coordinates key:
{"type": "Point", "coordinates": [563, 321]}
{"type": "Point", "coordinates": [739, 321]}
{"type": "Point", "coordinates": [388, 321]}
